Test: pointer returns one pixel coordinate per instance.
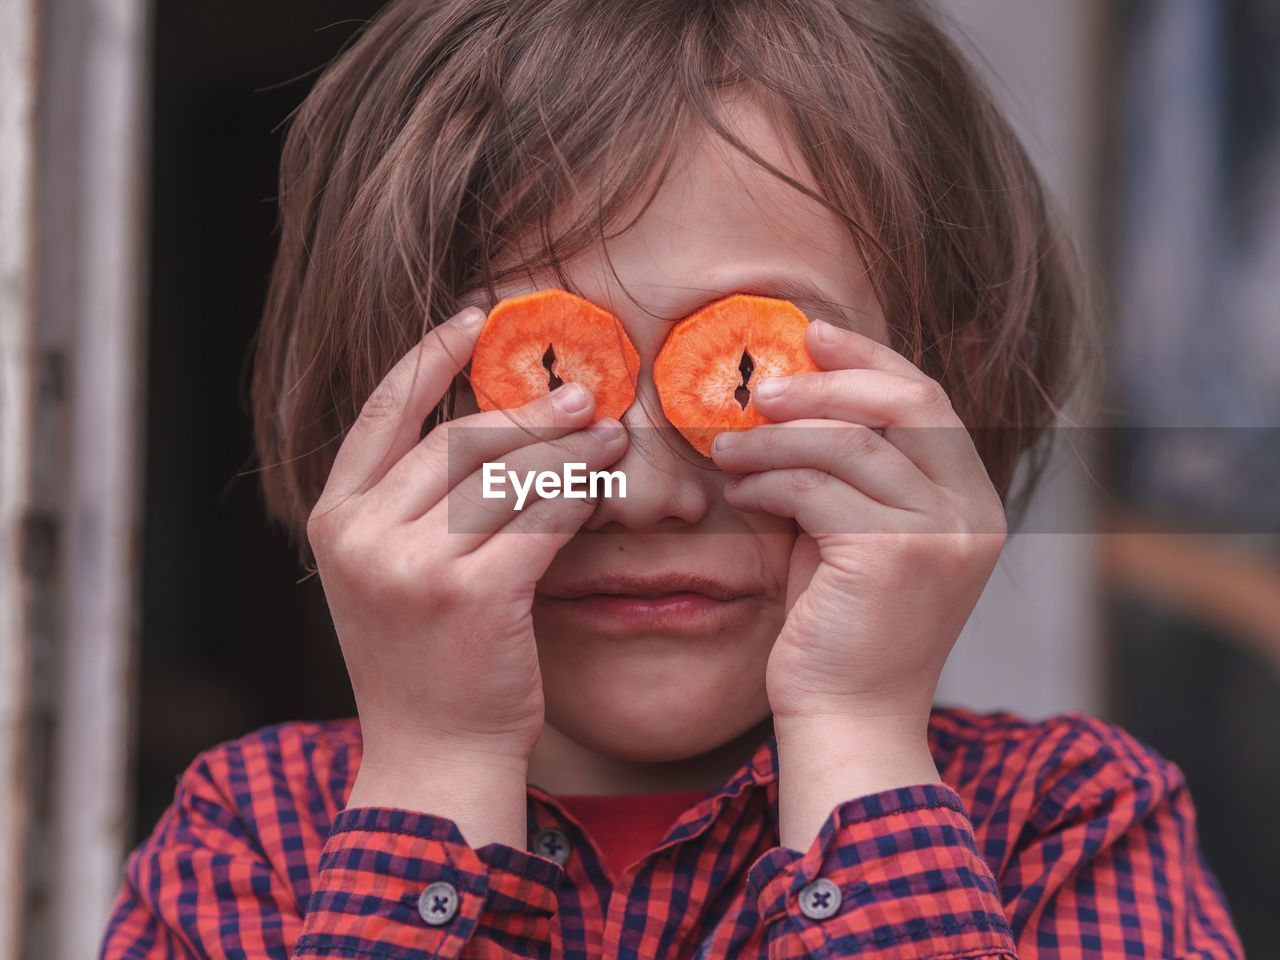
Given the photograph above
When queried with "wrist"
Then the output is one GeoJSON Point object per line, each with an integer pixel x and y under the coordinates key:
{"type": "Point", "coordinates": [485, 795]}
{"type": "Point", "coordinates": [875, 730]}
{"type": "Point", "coordinates": [824, 761]}
{"type": "Point", "coordinates": [393, 745]}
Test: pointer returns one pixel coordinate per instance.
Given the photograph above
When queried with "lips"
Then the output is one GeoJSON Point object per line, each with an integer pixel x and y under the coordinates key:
{"type": "Point", "coordinates": [651, 586]}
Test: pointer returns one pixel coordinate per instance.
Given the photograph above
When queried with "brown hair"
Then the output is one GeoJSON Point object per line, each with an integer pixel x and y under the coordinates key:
{"type": "Point", "coordinates": [451, 127]}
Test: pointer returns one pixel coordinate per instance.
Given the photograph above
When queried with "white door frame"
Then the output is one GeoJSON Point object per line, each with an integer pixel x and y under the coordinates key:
{"type": "Point", "coordinates": [73, 124]}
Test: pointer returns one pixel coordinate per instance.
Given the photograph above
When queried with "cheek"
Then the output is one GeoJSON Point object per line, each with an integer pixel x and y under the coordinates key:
{"type": "Point", "coordinates": [765, 544]}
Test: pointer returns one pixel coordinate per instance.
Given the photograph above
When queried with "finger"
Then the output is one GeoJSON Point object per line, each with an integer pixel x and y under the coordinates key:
{"type": "Point", "coordinates": [390, 421]}
{"type": "Point", "coordinates": [486, 501]}
{"type": "Point", "coordinates": [521, 551]}
{"type": "Point", "coordinates": [821, 504]}
{"type": "Point", "coordinates": [914, 414]}
{"type": "Point", "coordinates": [850, 452]}
{"type": "Point", "coordinates": [455, 450]}
{"type": "Point", "coordinates": [835, 348]}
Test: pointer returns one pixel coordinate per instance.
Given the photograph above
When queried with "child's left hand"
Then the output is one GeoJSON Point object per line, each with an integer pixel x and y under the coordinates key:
{"type": "Point", "coordinates": [900, 529]}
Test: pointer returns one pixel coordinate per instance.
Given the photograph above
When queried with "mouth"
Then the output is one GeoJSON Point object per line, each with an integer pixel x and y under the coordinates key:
{"type": "Point", "coordinates": [675, 600]}
{"type": "Point", "coordinates": [652, 586]}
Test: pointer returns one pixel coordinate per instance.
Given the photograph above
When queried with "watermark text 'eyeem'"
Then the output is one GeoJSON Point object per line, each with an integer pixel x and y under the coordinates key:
{"type": "Point", "coordinates": [573, 483]}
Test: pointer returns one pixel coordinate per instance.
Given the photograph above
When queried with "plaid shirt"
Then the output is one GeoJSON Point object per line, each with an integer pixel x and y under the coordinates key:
{"type": "Point", "coordinates": [1060, 838]}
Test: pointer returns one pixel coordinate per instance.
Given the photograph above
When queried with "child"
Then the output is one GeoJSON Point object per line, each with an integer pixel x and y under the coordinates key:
{"type": "Point", "coordinates": [696, 721]}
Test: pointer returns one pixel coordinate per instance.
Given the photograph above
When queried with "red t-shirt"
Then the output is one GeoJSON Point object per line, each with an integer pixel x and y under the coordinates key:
{"type": "Point", "coordinates": [626, 827]}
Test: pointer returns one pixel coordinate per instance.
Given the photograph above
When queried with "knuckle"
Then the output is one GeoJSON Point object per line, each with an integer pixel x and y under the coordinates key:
{"type": "Point", "coordinates": [349, 548]}
{"type": "Point", "coordinates": [998, 525]}
{"type": "Point", "coordinates": [554, 517]}
{"type": "Point", "coordinates": [349, 560]}
{"type": "Point", "coordinates": [324, 521]}
{"type": "Point", "coordinates": [383, 570]}
{"type": "Point", "coordinates": [578, 447]}
{"type": "Point", "coordinates": [382, 403]}
{"type": "Point", "coordinates": [927, 392]}
{"type": "Point", "coordinates": [543, 517]}
{"type": "Point", "coordinates": [400, 577]}
{"type": "Point", "coordinates": [912, 544]}
{"type": "Point", "coordinates": [877, 353]}
{"type": "Point", "coordinates": [969, 547]}
{"type": "Point", "coordinates": [319, 522]}
{"type": "Point", "coordinates": [571, 446]}
{"type": "Point", "coordinates": [803, 481]}
{"type": "Point", "coordinates": [963, 546]}
{"type": "Point", "coordinates": [857, 438]}
{"type": "Point", "coordinates": [762, 439]}
{"type": "Point", "coordinates": [827, 393]}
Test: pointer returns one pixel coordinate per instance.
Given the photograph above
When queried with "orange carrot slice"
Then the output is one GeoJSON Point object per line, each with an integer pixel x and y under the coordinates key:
{"type": "Point", "coordinates": [532, 343]}
{"type": "Point", "coordinates": [707, 368]}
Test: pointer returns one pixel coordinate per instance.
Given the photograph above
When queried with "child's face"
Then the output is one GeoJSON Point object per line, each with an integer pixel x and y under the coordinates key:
{"type": "Point", "coordinates": [659, 678]}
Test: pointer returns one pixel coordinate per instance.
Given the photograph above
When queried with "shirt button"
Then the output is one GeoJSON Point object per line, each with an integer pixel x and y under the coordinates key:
{"type": "Point", "coordinates": [552, 844]}
{"type": "Point", "coordinates": [438, 903]}
{"type": "Point", "coordinates": [820, 899]}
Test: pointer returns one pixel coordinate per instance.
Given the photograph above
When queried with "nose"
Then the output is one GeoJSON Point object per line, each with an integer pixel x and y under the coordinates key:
{"type": "Point", "coordinates": [668, 485]}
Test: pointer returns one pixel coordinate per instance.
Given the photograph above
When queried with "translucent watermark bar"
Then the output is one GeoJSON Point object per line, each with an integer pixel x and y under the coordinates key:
{"type": "Point", "coordinates": [1211, 480]}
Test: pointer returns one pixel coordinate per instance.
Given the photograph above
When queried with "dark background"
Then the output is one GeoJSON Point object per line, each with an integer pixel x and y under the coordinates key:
{"type": "Point", "coordinates": [231, 640]}
{"type": "Point", "coordinates": [234, 638]}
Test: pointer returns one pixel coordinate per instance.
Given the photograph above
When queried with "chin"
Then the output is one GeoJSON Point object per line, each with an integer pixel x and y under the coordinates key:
{"type": "Point", "coordinates": [656, 710]}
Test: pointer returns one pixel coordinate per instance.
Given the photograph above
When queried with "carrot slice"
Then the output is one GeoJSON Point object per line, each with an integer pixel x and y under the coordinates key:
{"type": "Point", "coordinates": [532, 343]}
{"type": "Point", "coordinates": [707, 368]}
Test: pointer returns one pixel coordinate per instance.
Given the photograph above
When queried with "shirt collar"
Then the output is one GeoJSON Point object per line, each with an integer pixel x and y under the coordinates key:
{"type": "Point", "coordinates": [760, 770]}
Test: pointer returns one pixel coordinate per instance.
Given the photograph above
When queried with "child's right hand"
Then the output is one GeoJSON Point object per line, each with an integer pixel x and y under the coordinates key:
{"type": "Point", "coordinates": [435, 625]}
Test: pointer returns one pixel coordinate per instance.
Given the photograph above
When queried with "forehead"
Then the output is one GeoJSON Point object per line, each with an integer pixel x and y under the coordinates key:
{"type": "Point", "coordinates": [720, 223]}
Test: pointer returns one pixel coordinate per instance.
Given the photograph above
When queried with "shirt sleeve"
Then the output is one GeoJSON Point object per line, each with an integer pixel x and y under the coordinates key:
{"type": "Point", "coordinates": [390, 884]}
{"type": "Point", "coordinates": [406, 886]}
{"type": "Point", "coordinates": [1103, 864]}
{"type": "Point", "coordinates": [899, 874]}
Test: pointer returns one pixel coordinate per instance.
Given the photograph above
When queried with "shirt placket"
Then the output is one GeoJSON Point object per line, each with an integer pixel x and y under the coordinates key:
{"type": "Point", "coordinates": [596, 915]}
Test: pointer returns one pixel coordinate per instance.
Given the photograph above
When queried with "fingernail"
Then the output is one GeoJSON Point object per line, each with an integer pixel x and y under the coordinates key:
{"type": "Point", "coordinates": [570, 398]}
{"type": "Point", "coordinates": [607, 429]}
{"type": "Point", "coordinates": [827, 332]}
{"type": "Point", "coordinates": [471, 318]}
{"type": "Point", "coordinates": [724, 441]}
{"type": "Point", "coordinates": [769, 387]}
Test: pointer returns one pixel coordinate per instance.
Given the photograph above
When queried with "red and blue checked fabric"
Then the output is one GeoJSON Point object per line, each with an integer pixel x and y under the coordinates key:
{"type": "Point", "coordinates": [1062, 838]}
